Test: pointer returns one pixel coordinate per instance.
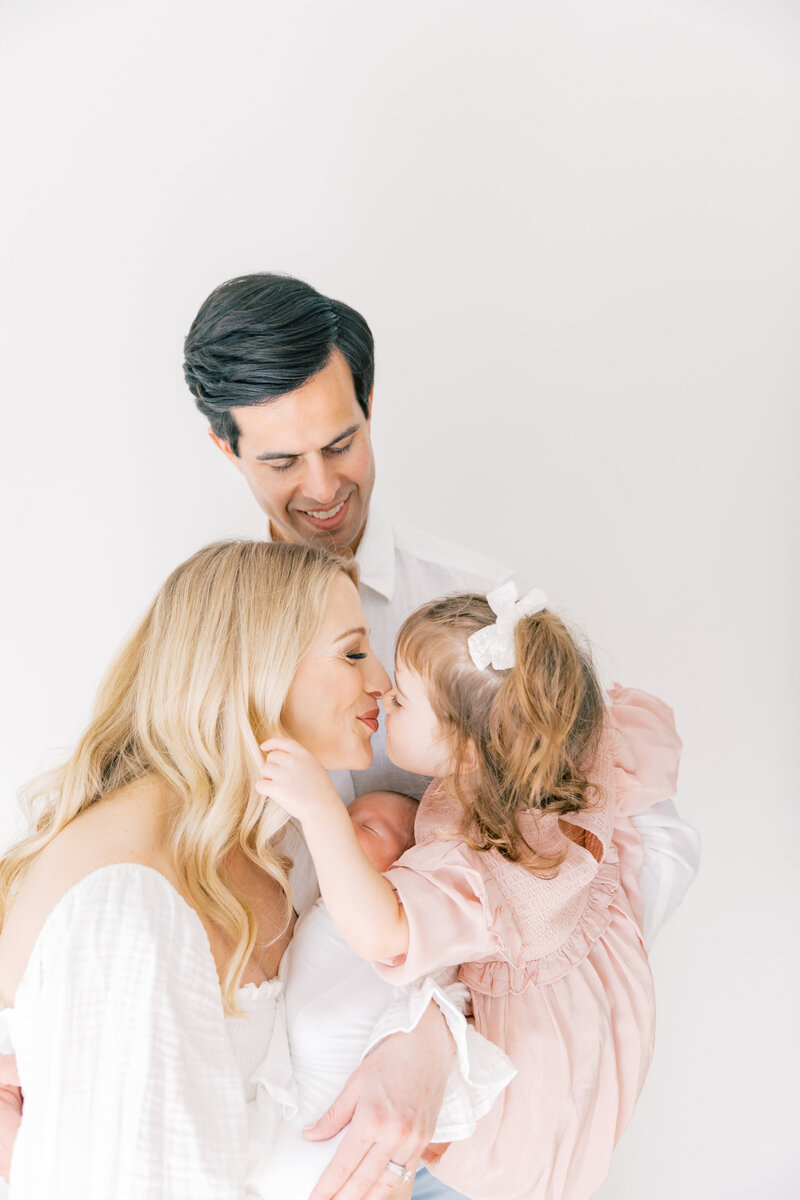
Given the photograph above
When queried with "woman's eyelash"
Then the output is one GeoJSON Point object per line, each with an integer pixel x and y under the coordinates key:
{"type": "Point", "coordinates": [355, 654]}
{"type": "Point", "coordinates": [395, 701]}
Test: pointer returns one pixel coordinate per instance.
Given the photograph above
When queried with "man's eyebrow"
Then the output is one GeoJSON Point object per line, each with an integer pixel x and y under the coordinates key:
{"type": "Point", "coordinates": [349, 633]}
{"type": "Point", "coordinates": [270, 454]}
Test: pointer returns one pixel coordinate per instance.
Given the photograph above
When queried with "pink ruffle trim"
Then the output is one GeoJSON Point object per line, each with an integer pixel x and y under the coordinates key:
{"type": "Point", "coordinates": [498, 977]}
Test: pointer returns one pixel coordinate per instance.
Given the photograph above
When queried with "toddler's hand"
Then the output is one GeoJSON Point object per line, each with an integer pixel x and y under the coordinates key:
{"type": "Point", "coordinates": [293, 778]}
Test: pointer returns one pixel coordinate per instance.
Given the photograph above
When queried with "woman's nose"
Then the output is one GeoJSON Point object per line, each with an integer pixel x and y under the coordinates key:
{"type": "Point", "coordinates": [378, 680]}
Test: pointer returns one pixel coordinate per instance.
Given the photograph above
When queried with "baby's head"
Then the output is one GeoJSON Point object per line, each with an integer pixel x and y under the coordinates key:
{"type": "Point", "coordinates": [504, 740]}
{"type": "Point", "coordinates": [384, 826]}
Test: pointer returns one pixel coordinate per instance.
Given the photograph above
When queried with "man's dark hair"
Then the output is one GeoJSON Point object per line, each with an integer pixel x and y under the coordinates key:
{"type": "Point", "coordinates": [260, 336]}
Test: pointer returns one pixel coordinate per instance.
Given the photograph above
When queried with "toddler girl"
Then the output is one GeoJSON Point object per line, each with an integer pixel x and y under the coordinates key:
{"type": "Point", "coordinates": [524, 874]}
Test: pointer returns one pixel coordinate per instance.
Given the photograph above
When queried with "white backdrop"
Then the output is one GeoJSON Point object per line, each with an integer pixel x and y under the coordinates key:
{"type": "Point", "coordinates": [573, 228]}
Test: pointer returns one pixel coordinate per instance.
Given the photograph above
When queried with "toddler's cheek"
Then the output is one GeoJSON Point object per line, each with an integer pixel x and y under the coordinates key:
{"type": "Point", "coordinates": [392, 747]}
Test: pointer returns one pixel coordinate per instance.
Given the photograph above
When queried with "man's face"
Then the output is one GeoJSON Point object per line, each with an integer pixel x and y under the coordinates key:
{"type": "Point", "coordinates": [307, 458]}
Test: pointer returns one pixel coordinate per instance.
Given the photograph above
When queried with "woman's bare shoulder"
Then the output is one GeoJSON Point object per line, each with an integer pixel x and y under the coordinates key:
{"type": "Point", "coordinates": [125, 828]}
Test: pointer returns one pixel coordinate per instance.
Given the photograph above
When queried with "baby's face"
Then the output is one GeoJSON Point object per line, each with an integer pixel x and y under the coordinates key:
{"type": "Point", "coordinates": [384, 826]}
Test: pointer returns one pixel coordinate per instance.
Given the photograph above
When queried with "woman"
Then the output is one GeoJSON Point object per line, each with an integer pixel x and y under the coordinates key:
{"type": "Point", "coordinates": [150, 905]}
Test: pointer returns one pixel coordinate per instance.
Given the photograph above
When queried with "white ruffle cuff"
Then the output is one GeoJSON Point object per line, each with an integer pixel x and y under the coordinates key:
{"type": "Point", "coordinates": [480, 1070]}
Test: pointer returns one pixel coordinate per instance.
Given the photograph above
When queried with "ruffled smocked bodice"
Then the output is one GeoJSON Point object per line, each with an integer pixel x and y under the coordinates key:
{"type": "Point", "coordinates": [510, 927]}
{"type": "Point", "coordinates": [544, 923]}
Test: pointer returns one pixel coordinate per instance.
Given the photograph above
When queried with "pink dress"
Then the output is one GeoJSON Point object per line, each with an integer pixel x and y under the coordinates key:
{"type": "Point", "coordinates": [556, 967]}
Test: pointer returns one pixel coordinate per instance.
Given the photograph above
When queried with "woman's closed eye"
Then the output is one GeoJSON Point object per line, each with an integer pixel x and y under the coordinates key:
{"type": "Point", "coordinates": [355, 655]}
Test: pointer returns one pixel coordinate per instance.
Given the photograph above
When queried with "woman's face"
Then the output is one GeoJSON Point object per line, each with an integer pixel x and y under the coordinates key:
{"type": "Point", "coordinates": [332, 705]}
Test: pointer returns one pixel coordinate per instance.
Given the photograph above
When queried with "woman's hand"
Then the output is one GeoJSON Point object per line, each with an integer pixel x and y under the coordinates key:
{"type": "Point", "coordinates": [293, 778]}
{"type": "Point", "coordinates": [391, 1101]}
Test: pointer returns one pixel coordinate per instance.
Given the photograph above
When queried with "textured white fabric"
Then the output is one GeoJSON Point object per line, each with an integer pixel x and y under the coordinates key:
{"type": "Point", "coordinates": [670, 864]}
{"type": "Point", "coordinates": [135, 1083]}
{"type": "Point", "coordinates": [480, 1069]}
{"type": "Point", "coordinates": [337, 1009]}
{"type": "Point", "coordinates": [251, 1034]}
{"type": "Point", "coordinates": [132, 1090]}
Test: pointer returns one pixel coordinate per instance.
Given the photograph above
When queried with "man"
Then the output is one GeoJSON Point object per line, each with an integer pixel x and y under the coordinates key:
{"type": "Point", "coordinates": [284, 376]}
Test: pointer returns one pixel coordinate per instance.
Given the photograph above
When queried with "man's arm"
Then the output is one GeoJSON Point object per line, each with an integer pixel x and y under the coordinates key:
{"type": "Point", "coordinates": [671, 858]}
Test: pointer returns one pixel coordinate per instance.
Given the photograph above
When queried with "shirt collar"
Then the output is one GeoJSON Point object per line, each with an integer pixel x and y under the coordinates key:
{"type": "Point", "coordinates": [375, 554]}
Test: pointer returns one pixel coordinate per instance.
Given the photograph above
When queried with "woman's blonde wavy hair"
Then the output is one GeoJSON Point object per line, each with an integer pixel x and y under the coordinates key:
{"type": "Point", "coordinates": [521, 740]}
{"type": "Point", "coordinates": [196, 689]}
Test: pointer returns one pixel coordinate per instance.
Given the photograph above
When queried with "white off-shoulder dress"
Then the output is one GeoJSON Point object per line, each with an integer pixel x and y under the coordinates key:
{"type": "Point", "coordinates": [136, 1085]}
{"type": "Point", "coordinates": [131, 1085]}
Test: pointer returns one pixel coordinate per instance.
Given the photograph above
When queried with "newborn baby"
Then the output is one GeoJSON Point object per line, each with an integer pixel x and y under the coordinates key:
{"type": "Point", "coordinates": [384, 825]}
{"type": "Point", "coordinates": [334, 1001]}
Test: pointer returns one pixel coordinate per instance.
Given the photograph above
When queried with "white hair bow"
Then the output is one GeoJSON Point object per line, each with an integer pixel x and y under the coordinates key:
{"type": "Point", "coordinates": [495, 643]}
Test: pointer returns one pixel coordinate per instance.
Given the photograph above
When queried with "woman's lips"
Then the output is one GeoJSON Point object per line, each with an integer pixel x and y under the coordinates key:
{"type": "Point", "coordinates": [370, 719]}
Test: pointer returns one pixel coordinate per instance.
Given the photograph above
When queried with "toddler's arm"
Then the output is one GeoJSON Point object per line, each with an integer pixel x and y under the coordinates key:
{"type": "Point", "coordinates": [362, 903]}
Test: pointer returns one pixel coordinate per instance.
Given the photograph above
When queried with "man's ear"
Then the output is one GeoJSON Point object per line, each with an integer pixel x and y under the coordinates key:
{"type": "Point", "coordinates": [225, 447]}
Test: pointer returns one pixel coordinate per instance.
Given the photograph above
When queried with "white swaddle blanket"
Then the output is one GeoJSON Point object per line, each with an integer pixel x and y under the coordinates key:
{"type": "Point", "coordinates": [336, 1010]}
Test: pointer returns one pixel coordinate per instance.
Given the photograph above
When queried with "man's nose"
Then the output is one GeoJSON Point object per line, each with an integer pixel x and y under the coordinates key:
{"type": "Point", "coordinates": [321, 481]}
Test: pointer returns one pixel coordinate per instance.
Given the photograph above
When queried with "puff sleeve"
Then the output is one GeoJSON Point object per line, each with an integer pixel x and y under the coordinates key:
{"type": "Point", "coordinates": [448, 910]}
{"type": "Point", "coordinates": [131, 1088]}
{"type": "Point", "coordinates": [645, 749]}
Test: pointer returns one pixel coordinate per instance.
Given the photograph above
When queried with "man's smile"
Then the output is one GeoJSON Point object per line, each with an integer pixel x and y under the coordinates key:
{"type": "Point", "coordinates": [319, 515]}
{"type": "Point", "coordinates": [327, 518]}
